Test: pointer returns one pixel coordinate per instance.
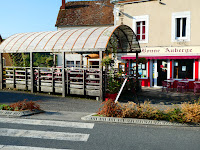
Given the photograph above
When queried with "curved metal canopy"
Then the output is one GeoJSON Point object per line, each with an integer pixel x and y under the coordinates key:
{"type": "Point", "coordinates": [87, 39]}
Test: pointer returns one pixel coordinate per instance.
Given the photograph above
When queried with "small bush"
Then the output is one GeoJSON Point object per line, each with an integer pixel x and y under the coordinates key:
{"type": "Point", "coordinates": [174, 115]}
{"type": "Point", "coordinates": [129, 110]}
{"type": "Point", "coordinates": [5, 107]}
{"type": "Point", "coordinates": [25, 105]}
{"type": "Point", "coordinates": [186, 113]}
{"type": "Point", "coordinates": [21, 105]}
{"type": "Point", "coordinates": [191, 112]}
{"type": "Point", "coordinates": [110, 109]}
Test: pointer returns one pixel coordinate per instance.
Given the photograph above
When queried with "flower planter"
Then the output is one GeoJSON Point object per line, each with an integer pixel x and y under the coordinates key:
{"type": "Point", "coordinates": [111, 96]}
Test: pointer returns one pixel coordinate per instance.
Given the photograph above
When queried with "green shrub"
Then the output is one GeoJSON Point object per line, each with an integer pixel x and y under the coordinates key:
{"type": "Point", "coordinates": [3, 107]}
{"type": "Point", "coordinates": [174, 115]}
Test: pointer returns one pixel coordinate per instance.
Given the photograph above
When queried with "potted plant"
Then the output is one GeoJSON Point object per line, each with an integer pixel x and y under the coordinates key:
{"type": "Point", "coordinates": [112, 88]}
{"type": "Point", "coordinates": [142, 60]}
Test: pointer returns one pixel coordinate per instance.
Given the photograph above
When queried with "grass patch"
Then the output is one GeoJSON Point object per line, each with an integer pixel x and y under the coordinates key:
{"type": "Point", "coordinates": [185, 113]}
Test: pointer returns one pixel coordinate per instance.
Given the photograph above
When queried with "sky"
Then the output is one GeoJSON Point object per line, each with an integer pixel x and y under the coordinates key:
{"type": "Point", "coordinates": [20, 16]}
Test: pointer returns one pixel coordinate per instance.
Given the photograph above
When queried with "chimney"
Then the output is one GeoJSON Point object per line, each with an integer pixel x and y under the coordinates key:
{"type": "Point", "coordinates": [1, 40]}
{"type": "Point", "coordinates": [63, 4]}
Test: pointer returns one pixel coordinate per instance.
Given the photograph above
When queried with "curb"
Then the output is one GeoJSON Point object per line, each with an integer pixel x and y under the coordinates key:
{"type": "Point", "coordinates": [91, 117]}
{"type": "Point", "coordinates": [19, 113]}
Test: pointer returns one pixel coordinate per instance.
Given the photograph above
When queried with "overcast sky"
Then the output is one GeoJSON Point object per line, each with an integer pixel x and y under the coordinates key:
{"type": "Point", "coordinates": [19, 16]}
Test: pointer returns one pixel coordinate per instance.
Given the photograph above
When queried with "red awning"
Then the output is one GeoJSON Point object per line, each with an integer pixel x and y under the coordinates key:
{"type": "Point", "coordinates": [160, 57]}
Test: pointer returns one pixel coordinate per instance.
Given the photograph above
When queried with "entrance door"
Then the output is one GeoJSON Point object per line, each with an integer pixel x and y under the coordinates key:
{"type": "Point", "coordinates": [162, 71]}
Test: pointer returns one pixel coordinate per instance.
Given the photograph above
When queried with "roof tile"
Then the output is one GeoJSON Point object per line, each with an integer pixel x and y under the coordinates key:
{"type": "Point", "coordinates": [86, 13]}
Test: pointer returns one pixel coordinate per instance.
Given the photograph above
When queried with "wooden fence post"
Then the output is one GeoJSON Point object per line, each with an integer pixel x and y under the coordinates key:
{"type": "Point", "coordinates": [67, 81]}
{"type": "Point", "coordinates": [32, 72]}
{"type": "Point", "coordinates": [63, 75]}
{"type": "Point", "coordinates": [84, 82]}
{"type": "Point", "coordinates": [39, 80]}
{"type": "Point", "coordinates": [53, 81]}
{"type": "Point", "coordinates": [1, 71]}
{"type": "Point", "coordinates": [101, 75]}
{"type": "Point", "coordinates": [26, 79]}
{"type": "Point", "coordinates": [14, 78]}
{"type": "Point", "coordinates": [81, 62]}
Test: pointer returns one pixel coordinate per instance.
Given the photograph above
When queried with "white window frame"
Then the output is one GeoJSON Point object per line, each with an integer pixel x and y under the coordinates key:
{"type": "Point", "coordinates": [139, 19]}
{"type": "Point", "coordinates": [176, 15]}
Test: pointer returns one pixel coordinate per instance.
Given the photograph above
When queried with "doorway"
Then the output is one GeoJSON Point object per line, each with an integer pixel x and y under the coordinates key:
{"type": "Point", "coordinates": [162, 71]}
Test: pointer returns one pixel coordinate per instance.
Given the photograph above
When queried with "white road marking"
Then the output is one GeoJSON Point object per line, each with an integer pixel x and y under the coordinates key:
{"type": "Point", "coordinates": [48, 123]}
{"type": "Point", "coordinates": [44, 134]}
{"type": "Point", "coordinates": [9, 147]}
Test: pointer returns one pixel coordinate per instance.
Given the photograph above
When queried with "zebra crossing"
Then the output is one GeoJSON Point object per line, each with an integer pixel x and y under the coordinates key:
{"type": "Point", "coordinates": [10, 132]}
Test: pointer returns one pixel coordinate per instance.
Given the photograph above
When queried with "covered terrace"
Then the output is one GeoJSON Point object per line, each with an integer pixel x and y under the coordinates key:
{"type": "Point", "coordinates": [65, 80]}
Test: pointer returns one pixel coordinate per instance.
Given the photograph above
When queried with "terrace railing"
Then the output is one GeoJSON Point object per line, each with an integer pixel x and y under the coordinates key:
{"type": "Point", "coordinates": [79, 80]}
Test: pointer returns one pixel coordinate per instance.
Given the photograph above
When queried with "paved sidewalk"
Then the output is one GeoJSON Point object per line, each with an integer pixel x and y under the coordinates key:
{"type": "Point", "coordinates": [157, 97]}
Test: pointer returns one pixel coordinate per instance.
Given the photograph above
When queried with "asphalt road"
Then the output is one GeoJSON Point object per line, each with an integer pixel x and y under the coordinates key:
{"type": "Point", "coordinates": [102, 136]}
{"type": "Point", "coordinates": [105, 136]}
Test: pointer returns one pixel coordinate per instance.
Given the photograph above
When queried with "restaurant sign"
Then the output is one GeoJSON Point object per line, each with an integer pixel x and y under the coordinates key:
{"type": "Point", "coordinates": [176, 51]}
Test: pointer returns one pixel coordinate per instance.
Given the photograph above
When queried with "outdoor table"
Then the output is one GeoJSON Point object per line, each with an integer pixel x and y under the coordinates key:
{"type": "Point", "coordinates": [183, 84]}
{"type": "Point", "coordinates": [171, 83]}
{"type": "Point", "coordinates": [197, 82]}
{"type": "Point", "coordinates": [183, 81]}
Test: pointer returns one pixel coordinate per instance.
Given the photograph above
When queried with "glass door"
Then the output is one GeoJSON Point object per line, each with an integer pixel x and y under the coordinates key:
{"type": "Point", "coordinates": [162, 71]}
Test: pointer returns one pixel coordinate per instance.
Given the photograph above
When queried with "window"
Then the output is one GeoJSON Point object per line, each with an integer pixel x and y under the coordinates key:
{"type": "Point", "coordinates": [121, 67]}
{"type": "Point", "coordinates": [78, 64]}
{"type": "Point", "coordinates": [142, 69]}
{"type": "Point", "coordinates": [140, 31]}
{"type": "Point", "coordinates": [181, 26]}
{"type": "Point", "coordinates": [183, 68]}
{"type": "Point", "coordinates": [70, 63]}
{"type": "Point", "coordinates": [141, 28]}
{"type": "Point", "coordinates": [93, 63]}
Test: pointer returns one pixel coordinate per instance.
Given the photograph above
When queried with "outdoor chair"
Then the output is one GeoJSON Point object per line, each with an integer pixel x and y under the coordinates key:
{"type": "Point", "coordinates": [165, 85]}
{"type": "Point", "coordinates": [196, 87]}
{"type": "Point", "coordinates": [183, 86]}
{"type": "Point", "coordinates": [171, 83]}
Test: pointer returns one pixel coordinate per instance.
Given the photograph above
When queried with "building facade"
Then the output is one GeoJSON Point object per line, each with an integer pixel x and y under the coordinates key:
{"type": "Point", "coordinates": [167, 31]}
